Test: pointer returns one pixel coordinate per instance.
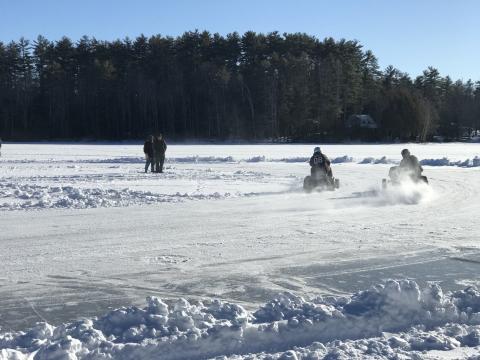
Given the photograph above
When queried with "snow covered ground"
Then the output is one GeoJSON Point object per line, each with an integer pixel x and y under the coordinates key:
{"type": "Point", "coordinates": [84, 231]}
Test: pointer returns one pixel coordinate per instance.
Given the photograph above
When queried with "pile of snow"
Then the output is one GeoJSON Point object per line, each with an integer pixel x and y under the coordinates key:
{"type": "Point", "coordinates": [196, 159]}
{"type": "Point", "coordinates": [297, 159]}
{"type": "Point", "coordinates": [28, 196]}
{"type": "Point", "coordinates": [342, 159]}
{"type": "Point", "coordinates": [107, 160]}
{"type": "Point", "coordinates": [382, 160]}
{"type": "Point", "coordinates": [117, 160]}
{"type": "Point", "coordinates": [200, 159]}
{"type": "Point", "coordinates": [288, 327]}
{"type": "Point", "coordinates": [413, 344]}
{"type": "Point", "coordinates": [293, 159]}
{"type": "Point", "coordinates": [256, 159]}
{"type": "Point", "coordinates": [475, 162]}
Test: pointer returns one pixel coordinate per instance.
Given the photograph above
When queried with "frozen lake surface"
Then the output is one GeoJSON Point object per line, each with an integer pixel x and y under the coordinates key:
{"type": "Point", "coordinates": [83, 230]}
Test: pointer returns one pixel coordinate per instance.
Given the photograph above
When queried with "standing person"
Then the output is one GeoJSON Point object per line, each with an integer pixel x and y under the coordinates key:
{"type": "Point", "coordinates": [159, 148]}
{"type": "Point", "coordinates": [148, 151]}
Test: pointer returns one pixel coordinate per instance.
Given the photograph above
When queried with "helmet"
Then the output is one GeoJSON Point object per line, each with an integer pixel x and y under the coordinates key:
{"type": "Point", "coordinates": [405, 152]}
{"type": "Point", "coordinates": [316, 150]}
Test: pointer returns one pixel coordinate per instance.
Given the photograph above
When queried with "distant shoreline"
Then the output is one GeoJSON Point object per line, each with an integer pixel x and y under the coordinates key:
{"type": "Point", "coordinates": [239, 142]}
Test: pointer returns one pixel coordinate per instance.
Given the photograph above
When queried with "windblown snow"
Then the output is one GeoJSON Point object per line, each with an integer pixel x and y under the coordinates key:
{"type": "Point", "coordinates": [234, 259]}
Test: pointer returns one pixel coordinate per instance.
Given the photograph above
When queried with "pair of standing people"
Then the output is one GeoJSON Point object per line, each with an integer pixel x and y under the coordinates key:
{"type": "Point", "coordinates": [154, 150]}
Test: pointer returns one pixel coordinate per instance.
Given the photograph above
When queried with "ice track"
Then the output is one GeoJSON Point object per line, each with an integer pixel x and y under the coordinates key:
{"type": "Point", "coordinates": [84, 230]}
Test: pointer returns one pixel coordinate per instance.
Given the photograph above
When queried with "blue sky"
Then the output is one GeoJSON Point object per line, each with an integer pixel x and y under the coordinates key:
{"type": "Point", "coordinates": [409, 34]}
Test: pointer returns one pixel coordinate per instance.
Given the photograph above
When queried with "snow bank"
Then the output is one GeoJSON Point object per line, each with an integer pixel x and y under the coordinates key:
{"type": "Point", "coordinates": [195, 159]}
{"type": "Point", "coordinates": [256, 159]}
{"type": "Point", "coordinates": [200, 159]}
{"type": "Point", "coordinates": [297, 159]}
{"type": "Point", "coordinates": [288, 327]}
{"type": "Point", "coordinates": [29, 196]}
{"type": "Point", "coordinates": [414, 344]}
{"type": "Point", "coordinates": [128, 160]}
{"type": "Point", "coordinates": [342, 159]}
{"type": "Point", "coordinates": [475, 162]}
{"type": "Point", "coordinates": [382, 160]}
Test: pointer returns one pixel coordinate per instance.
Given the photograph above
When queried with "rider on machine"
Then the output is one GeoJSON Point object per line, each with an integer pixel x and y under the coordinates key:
{"type": "Point", "coordinates": [320, 165]}
{"type": "Point", "coordinates": [409, 167]}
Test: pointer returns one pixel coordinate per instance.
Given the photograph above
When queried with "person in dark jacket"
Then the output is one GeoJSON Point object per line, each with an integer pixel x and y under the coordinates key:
{"type": "Point", "coordinates": [148, 151]}
{"type": "Point", "coordinates": [159, 149]}
{"type": "Point", "coordinates": [409, 167]}
{"type": "Point", "coordinates": [410, 163]}
{"type": "Point", "coordinates": [319, 162]}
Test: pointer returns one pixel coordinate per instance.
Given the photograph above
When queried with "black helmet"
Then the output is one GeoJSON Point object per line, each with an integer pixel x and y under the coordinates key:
{"type": "Point", "coordinates": [316, 150]}
{"type": "Point", "coordinates": [405, 152]}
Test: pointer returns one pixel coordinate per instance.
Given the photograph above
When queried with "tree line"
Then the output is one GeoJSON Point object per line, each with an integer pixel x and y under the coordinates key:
{"type": "Point", "coordinates": [208, 86]}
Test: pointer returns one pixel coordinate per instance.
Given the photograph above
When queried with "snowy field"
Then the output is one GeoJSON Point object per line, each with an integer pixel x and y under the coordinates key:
{"type": "Point", "coordinates": [236, 260]}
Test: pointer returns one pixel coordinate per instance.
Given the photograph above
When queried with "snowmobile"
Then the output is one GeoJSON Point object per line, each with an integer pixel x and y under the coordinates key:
{"type": "Point", "coordinates": [398, 175]}
{"type": "Point", "coordinates": [320, 181]}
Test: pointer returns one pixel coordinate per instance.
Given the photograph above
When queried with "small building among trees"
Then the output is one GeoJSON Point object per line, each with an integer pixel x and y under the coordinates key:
{"type": "Point", "coordinates": [362, 127]}
{"type": "Point", "coordinates": [361, 121]}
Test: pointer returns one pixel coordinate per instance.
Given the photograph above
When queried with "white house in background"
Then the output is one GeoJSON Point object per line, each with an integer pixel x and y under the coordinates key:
{"type": "Point", "coordinates": [361, 121]}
